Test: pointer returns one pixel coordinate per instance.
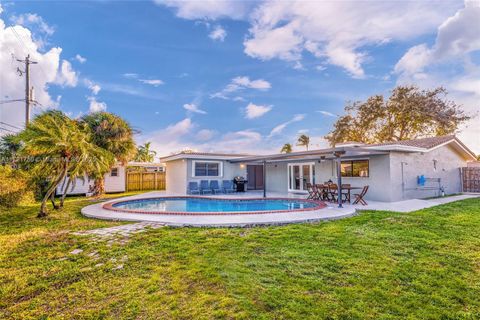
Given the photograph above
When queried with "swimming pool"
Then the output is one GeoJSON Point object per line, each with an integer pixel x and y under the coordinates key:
{"type": "Point", "coordinates": [212, 206]}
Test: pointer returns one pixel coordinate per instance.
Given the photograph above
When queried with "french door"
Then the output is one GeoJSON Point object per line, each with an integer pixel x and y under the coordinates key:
{"type": "Point", "coordinates": [299, 174]}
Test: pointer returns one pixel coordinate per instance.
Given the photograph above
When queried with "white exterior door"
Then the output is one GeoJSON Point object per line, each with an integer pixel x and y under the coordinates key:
{"type": "Point", "coordinates": [299, 174]}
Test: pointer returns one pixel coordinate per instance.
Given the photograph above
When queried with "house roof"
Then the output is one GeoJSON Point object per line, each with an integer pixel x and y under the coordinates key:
{"type": "Point", "coordinates": [426, 143]}
{"type": "Point", "coordinates": [356, 150]}
{"type": "Point", "coordinates": [201, 155]}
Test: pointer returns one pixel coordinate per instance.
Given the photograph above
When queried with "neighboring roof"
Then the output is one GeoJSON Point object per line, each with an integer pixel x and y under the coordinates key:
{"type": "Point", "coordinates": [145, 164]}
{"type": "Point", "coordinates": [202, 155]}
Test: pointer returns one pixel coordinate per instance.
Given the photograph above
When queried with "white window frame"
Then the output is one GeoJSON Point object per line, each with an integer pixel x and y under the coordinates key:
{"type": "Point", "coordinates": [118, 172]}
{"type": "Point", "coordinates": [220, 168]}
{"type": "Point", "coordinates": [301, 164]}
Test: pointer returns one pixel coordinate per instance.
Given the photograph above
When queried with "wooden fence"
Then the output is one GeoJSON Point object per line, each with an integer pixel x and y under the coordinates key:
{"type": "Point", "coordinates": [145, 181]}
{"type": "Point", "coordinates": [471, 179]}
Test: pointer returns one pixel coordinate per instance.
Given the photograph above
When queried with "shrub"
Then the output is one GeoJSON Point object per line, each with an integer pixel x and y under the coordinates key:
{"type": "Point", "coordinates": [14, 187]}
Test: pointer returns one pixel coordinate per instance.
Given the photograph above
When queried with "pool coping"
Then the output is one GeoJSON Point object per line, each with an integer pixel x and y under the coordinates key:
{"type": "Point", "coordinates": [330, 212]}
{"type": "Point", "coordinates": [110, 206]}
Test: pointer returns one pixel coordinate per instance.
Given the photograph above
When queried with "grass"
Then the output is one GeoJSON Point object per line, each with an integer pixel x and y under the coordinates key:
{"type": "Point", "coordinates": [377, 265]}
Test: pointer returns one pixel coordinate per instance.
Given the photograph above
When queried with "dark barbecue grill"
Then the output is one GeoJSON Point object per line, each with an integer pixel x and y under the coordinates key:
{"type": "Point", "coordinates": [240, 182]}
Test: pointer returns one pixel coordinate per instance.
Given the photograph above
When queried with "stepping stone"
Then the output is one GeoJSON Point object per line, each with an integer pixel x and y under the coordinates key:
{"type": "Point", "coordinates": [76, 251]}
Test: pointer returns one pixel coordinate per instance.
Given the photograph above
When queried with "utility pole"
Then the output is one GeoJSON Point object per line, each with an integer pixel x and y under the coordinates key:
{"type": "Point", "coordinates": [27, 62]}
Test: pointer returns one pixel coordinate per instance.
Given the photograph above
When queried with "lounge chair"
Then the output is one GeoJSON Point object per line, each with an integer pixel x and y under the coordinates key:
{"type": "Point", "coordinates": [204, 187]}
{"type": "Point", "coordinates": [215, 187]}
{"type": "Point", "coordinates": [193, 187]}
{"type": "Point", "coordinates": [227, 186]}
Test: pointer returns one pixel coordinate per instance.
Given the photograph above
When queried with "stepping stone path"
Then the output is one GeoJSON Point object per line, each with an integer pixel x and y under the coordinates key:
{"type": "Point", "coordinates": [119, 234]}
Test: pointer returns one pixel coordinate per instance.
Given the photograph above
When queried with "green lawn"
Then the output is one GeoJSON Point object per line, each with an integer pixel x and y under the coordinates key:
{"type": "Point", "coordinates": [377, 265]}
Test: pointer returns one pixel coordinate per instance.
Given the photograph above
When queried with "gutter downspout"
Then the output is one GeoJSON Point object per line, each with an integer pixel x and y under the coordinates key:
{"type": "Point", "coordinates": [403, 178]}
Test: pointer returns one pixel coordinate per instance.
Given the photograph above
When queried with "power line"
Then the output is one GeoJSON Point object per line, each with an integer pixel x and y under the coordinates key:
{"type": "Point", "coordinates": [1, 128]}
{"type": "Point", "coordinates": [10, 125]}
{"type": "Point", "coordinates": [10, 101]}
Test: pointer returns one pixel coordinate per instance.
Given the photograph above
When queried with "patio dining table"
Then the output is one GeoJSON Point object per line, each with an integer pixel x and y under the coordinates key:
{"type": "Point", "coordinates": [347, 188]}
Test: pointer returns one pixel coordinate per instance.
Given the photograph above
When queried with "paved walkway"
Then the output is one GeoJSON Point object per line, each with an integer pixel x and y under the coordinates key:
{"type": "Point", "coordinates": [118, 234]}
{"type": "Point", "coordinates": [331, 212]}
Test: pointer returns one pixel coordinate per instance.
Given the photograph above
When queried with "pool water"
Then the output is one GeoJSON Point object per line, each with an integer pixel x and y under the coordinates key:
{"type": "Point", "coordinates": [209, 205]}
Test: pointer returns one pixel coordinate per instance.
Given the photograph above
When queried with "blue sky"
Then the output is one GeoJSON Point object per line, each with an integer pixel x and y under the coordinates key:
{"type": "Point", "coordinates": [236, 76]}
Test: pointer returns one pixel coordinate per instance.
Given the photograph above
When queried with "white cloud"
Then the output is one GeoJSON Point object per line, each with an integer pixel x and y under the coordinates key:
{"type": "Point", "coordinates": [153, 82]}
{"type": "Point", "coordinates": [193, 108]}
{"type": "Point", "coordinates": [457, 37]}
{"type": "Point", "coordinates": [80, 59]}
{"type": "Point", "coordinates": [33, 20]}
{"type": "Point", "coordinates": [288, 29]}
{"type": "Point", "coordinates": [40, 29]}
{"type": "Point", "coordinates": [96, 106]}
{"type": "Point", "coordinates": [207, 9]}
{"type": "Point", "coordinates": [45, 72]}
{"type": "Point", "coordinates": [241, 83]}
{"type": "Point", "coordinates": [218, 33]}
{"type": "Point", "coordinates": [1, 9]}
{"type": "Point", "coordinates": [66, 75]}
{"type": "Point", "coordinates": [205, 134]}
{"type": "Point", "coordinates": [130, 75]}
{"type": "Point", "coordinates": [326, 113]}
{"type": "Point", "coordinates": [253, 111]}
{"type": "Point", "coordinates": [279, 128]}
{"type": "Point", "coordinates": [94, 87]}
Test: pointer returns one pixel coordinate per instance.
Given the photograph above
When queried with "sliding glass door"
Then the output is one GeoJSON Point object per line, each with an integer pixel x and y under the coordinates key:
{"type": "Point", "coordinates": [299, 174]}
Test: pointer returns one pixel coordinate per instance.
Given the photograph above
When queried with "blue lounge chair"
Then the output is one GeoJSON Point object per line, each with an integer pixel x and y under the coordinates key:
{"type": "Point", "coordinates": [193, 187]}
{"type": "Point", "coordinates": [204, 187]}
{"type": "Point", "coordinates": [215, 186]}
{"type": "Point", "coordinates": [227, 186]}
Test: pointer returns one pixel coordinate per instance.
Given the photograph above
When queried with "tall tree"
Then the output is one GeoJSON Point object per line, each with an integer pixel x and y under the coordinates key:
{"type": "Point", "coordinates": [112, 133]}
{"type": "Point", "coordinates": [145, 154]}
{"type": "Point", "coordinates": [409, 113]}
{"type": "Point", "coordinates": [58, 145]}
{"type": "Point", "coordinates": [287, 148]}
{"type": "Point", "coordinates": [9, 146]}
{"type": "Point", "coordinates": [303, 140]}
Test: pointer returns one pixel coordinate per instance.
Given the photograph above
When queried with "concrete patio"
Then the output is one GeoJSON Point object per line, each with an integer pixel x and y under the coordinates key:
{"type": "Point", "coordinates": [331, 212]}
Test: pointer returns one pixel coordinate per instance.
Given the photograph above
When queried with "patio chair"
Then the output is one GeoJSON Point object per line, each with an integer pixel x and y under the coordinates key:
{"type": "Point", "coordinates": [359, 197]}
{"type": "Point", "coordinates": [204, 187]}
{"type": "Point", "coordinates": [332, 192]}
{"type": "Point", "coordinates": [311, 192]}
{"type": "Point", "coordinates": [346, 192]}
{"type": "Point", "coordinates": [322, 191]}
{"type": "Point", "coordinates": [193, 187]}
{"type": "Point", "coordinates": [215, 187]}
{"type": "Point", "coordinates": [227, 186]}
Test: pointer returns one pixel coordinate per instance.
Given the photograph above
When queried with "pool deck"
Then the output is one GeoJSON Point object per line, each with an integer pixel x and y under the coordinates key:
{"type": "Point", "coordinates": [331, 212]}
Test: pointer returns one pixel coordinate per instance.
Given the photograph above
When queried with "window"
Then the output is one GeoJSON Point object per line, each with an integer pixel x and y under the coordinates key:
{"type": "Point", "coordinates": [114, 172]}
{"type": "Point", "coordinates": [207, 169]}
{"type": "Point", "coordinates": [355, 168]}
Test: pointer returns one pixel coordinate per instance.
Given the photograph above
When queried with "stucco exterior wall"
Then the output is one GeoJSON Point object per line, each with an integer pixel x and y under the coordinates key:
{"type": "Point", "coordinates": [176, 176]}
{"type": "Point", "coordinates": [112, 184]}
{"type": "Point", "coordinates": [116, 184]}
{"type": "Point", "coordinates": [448, 162]}
{"type": "Point", "coordinates": [277, 176]}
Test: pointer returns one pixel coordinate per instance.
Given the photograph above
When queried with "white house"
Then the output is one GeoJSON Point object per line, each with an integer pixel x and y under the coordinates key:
{"type": "Point", "coordinates": [393, 171]}
{"type": "Point", "coordinates": [115, 180]}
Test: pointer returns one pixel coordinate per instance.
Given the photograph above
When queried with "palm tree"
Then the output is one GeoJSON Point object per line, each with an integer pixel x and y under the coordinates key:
{"type": "Point", "coordinates": [112, 133]}
{"type": "Point", "coordinates": [303, 140]}
{"type": "Point", "coordinates": [9, 146]}
{"type": "Point", "coordinates": [287, 148]}
{"type": "Point", "coordinates": [58, 145]}
{"type": "Point", "coordinates": [96, 163]}
{"type": "Point", "coordinates": [144, 154]}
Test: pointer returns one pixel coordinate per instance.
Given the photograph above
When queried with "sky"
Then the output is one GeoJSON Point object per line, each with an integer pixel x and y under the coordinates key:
{"type": "Point", "coordinates": [234, 76]}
